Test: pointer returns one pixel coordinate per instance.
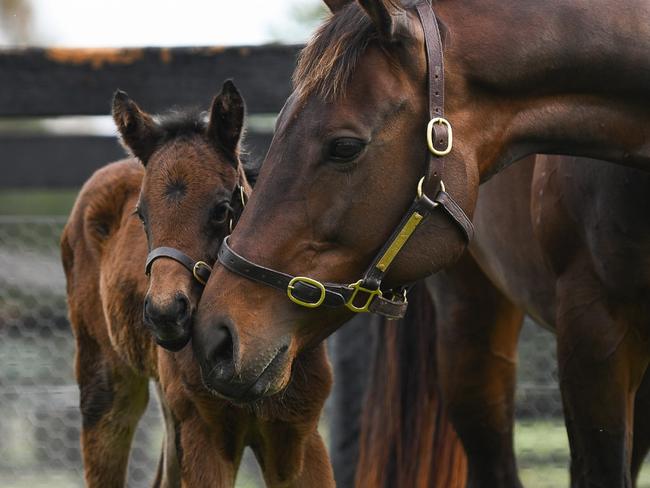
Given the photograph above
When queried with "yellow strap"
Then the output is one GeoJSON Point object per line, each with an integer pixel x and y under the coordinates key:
{"type": "Point", "coordinates": [400, 240]}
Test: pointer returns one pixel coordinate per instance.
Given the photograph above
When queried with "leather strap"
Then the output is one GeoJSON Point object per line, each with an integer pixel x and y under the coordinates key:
{"type": "Point", "coordinates": [199, 269]}
{"type": "Point", "coordinates": [436, 71]}
{"type": "Point", "coordinates": [456, 213]}
{"type": "Point", "coordinates": [335, 294]}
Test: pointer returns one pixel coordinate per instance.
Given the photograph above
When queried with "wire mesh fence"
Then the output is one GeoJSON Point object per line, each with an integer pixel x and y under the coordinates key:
{"type": "Point", "coordinates": [40, 423]}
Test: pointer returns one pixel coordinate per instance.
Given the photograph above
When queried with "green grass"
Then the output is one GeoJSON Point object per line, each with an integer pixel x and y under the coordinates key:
{"type": "Point", "coordinates": [543, 455]}
{"type": "Point", "coordinates": [36, 202]}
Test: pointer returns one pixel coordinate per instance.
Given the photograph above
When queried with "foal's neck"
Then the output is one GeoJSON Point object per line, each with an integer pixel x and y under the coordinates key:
{"type": "Point", "coordinates": [559, 76]}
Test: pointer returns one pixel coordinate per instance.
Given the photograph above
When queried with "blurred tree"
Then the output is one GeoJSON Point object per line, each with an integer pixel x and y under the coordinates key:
{"type": "Point", "coordinates": [15, 22]}
{"type": "Point", "coordinates": [303, 18]}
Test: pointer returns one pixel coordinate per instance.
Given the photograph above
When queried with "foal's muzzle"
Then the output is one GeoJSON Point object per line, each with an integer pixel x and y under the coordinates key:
{"type": "Point", "coordinates": [170, 323]}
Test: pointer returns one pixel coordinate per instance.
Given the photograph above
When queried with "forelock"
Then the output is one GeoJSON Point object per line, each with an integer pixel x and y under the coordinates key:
{"type": "Point", "coordinates": [327, 63]}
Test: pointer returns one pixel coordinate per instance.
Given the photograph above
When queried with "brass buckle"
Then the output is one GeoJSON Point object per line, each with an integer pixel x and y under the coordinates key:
{"type": "Point", "coordinates": [442, 121]}
{"type": "Point", "coordinates": [309, 281]}
{"type": "Point", "coordinates": [357, 288]}
{"type": "Point", "coordinates": [421, 192]}
{"type": "Point", "coordinates": [242, 196]}
{"type": "Point", "coordinates": [195, 270]}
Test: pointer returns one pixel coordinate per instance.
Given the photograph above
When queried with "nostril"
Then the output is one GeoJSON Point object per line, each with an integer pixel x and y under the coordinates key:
{"type": "Point", "coordinates": [182, 308]}
{"type": "Point", "coordinates": [147, 307]}
{"type": "Point", "coordinates": [222, 354]}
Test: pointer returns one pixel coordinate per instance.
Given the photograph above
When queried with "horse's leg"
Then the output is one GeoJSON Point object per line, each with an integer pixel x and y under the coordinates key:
{"type": "Point", "coordinates": [168, 474]}
{"type": "Point", "coordinates": [203, 462]}
{"type": "Point", "coordinates": [602, 359]}
{"type": "Point", "coordinates": [289, 460]}
{"type": "Point", "coordinates": [641, 439]}
{"type": "Point", "coordinates": [351, 355]}
{"type": "Point", "coordinates": [113, 398]}
{"type": "Point", "coordinates": [478, 330]}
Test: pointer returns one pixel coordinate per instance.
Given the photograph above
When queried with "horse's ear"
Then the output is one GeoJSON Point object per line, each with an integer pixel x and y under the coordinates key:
{"type": "Point", "coordinates": [336, 5]}
{"type": "Point", "coordinates": [137, 129]}
{"type": "Point", "coordinates": [388, 16]}
{"type": "Point", "coordinates": [227, 118]}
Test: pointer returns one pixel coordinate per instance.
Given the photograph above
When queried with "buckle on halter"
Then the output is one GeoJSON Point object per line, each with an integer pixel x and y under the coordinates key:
{"type": "Point", "coordinates": [309, 281]}
{"type": "Point", "coordinates": [450, 139]}
{"type": "Point", "coordinates": [358, 288]}
{"type": "Point", "coordinates": [421, 192]}
{"type": "Point", "coordinates": [195, 271]}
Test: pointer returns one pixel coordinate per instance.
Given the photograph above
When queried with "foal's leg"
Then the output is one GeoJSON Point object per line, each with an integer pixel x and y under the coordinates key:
{"type": "Point", "coordinates": [168, 474]}
{"type": "Point", "coordinates": [289, 460]}
{"type": "Point", "coordinates": [641, 439]}
{"type": "Point", "coordinates": [113, 398]}
{"type": "Point", "coordinates": [204, 460]}
{"type": "Point", "coordinates": [602, 358]}
{"type": "Point", "coordinates": [478, 329]}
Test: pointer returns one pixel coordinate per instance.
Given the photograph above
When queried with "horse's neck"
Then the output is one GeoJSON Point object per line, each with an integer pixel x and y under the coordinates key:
{"type": "Point", "coordinates": [565, 76]}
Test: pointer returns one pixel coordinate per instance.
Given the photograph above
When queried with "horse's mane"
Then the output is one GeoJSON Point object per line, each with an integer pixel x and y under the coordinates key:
{"type": "Point", "coordinates": [329, 59]}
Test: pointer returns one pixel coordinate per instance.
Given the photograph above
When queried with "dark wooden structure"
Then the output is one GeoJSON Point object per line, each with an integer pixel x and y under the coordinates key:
{"type": "Point", "coordinates": [63, 82]}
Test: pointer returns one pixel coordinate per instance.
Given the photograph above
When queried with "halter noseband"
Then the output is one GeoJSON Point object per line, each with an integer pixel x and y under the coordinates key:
{"type": "Point", "coordinates": [366, 295]}
{"type": "Point", "coordinates": [199, 269]}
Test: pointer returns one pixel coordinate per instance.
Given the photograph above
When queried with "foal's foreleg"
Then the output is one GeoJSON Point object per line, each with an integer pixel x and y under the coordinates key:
{"type": "Point", "coordinates": [208, 457]}
{"type": "Point", "coordinates": [602, 358]}
{"type": "Point", "coordinates": [478, 330]}
{"type": "Point", "coordinates": [168, 474]}
{"type": "Point", "coordinates": [113, 398]}
{"type": "Point", "coordinates": [291, 460]}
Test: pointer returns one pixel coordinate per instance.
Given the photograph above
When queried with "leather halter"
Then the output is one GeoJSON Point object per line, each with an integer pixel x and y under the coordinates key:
{"type": "Point", "coordinates": [199, 269]}
{"type": "Point", "coordinates": [366, 294]}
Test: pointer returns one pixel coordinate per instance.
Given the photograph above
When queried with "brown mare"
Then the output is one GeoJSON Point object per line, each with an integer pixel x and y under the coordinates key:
{"type": "Point", "coordinates": [522, 77]}
{"type": "Point", "coordinates": [564, 240]}
{"type": "Point", "coordinates": [183, 192]}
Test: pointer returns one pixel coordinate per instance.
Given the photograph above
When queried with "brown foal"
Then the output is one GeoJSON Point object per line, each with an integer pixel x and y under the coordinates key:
{"type": "Point", "coordinates": [183, 194]}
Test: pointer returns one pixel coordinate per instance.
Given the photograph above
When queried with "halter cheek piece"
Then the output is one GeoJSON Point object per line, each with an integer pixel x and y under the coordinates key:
{"type": "Point", "coordinates": [366, 295]}
{"type": "Point", "coordinates": [199, 269]}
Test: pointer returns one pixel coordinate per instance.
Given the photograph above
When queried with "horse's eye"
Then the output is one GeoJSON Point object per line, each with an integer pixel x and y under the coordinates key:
{"type": "Point", "coordinates": [220, 213]}
{"type": "Point", "coordinates": [345, 149]}
{"type": "Point", "coordinates": [138, 212]}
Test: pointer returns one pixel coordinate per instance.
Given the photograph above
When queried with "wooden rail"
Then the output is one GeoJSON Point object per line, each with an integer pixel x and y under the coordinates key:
{"type": "Point", "coordinates": [38, 82]}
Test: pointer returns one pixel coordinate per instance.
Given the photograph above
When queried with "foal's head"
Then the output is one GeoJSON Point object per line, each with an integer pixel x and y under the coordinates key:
{"type": "Point", "coordinates": [343, 167]}
{"type": "Point", "coordinates": [191, 184]}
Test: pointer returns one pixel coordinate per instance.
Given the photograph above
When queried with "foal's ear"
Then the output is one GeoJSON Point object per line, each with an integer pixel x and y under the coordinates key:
{"type": "Point", "coordinates": [336, 5]}
{"type": "Point", "coordinates": [227, 118]}
{"type": "Point", "coordinates": [388, 16]}
{"type": "Point", "coordinates": [137, 129]}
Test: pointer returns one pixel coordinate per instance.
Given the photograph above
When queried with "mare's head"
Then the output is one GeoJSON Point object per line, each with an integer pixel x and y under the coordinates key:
{"type": "Point", "coordinates": [343, 168]}
{"type": "Point", "coordinates": [191, 184]}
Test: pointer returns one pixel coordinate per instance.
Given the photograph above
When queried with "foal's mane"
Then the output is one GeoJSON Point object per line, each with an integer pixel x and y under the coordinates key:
{"type": "Point", "coordinates": [181, 123]}
{"type": "Point", "coordinates": [330, 58]}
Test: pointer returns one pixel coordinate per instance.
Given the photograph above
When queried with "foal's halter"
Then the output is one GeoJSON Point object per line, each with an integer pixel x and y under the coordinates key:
{"type": "Point", "coordinates": [366, 295]}
{"type": "Point", "coordinates": [199, 269]}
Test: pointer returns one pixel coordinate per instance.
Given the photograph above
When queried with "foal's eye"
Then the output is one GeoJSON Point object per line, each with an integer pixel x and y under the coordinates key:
{"type": "Point", "coordinates": [345, 149]}
{"type": "Point", "coordinates": [220, 213]}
